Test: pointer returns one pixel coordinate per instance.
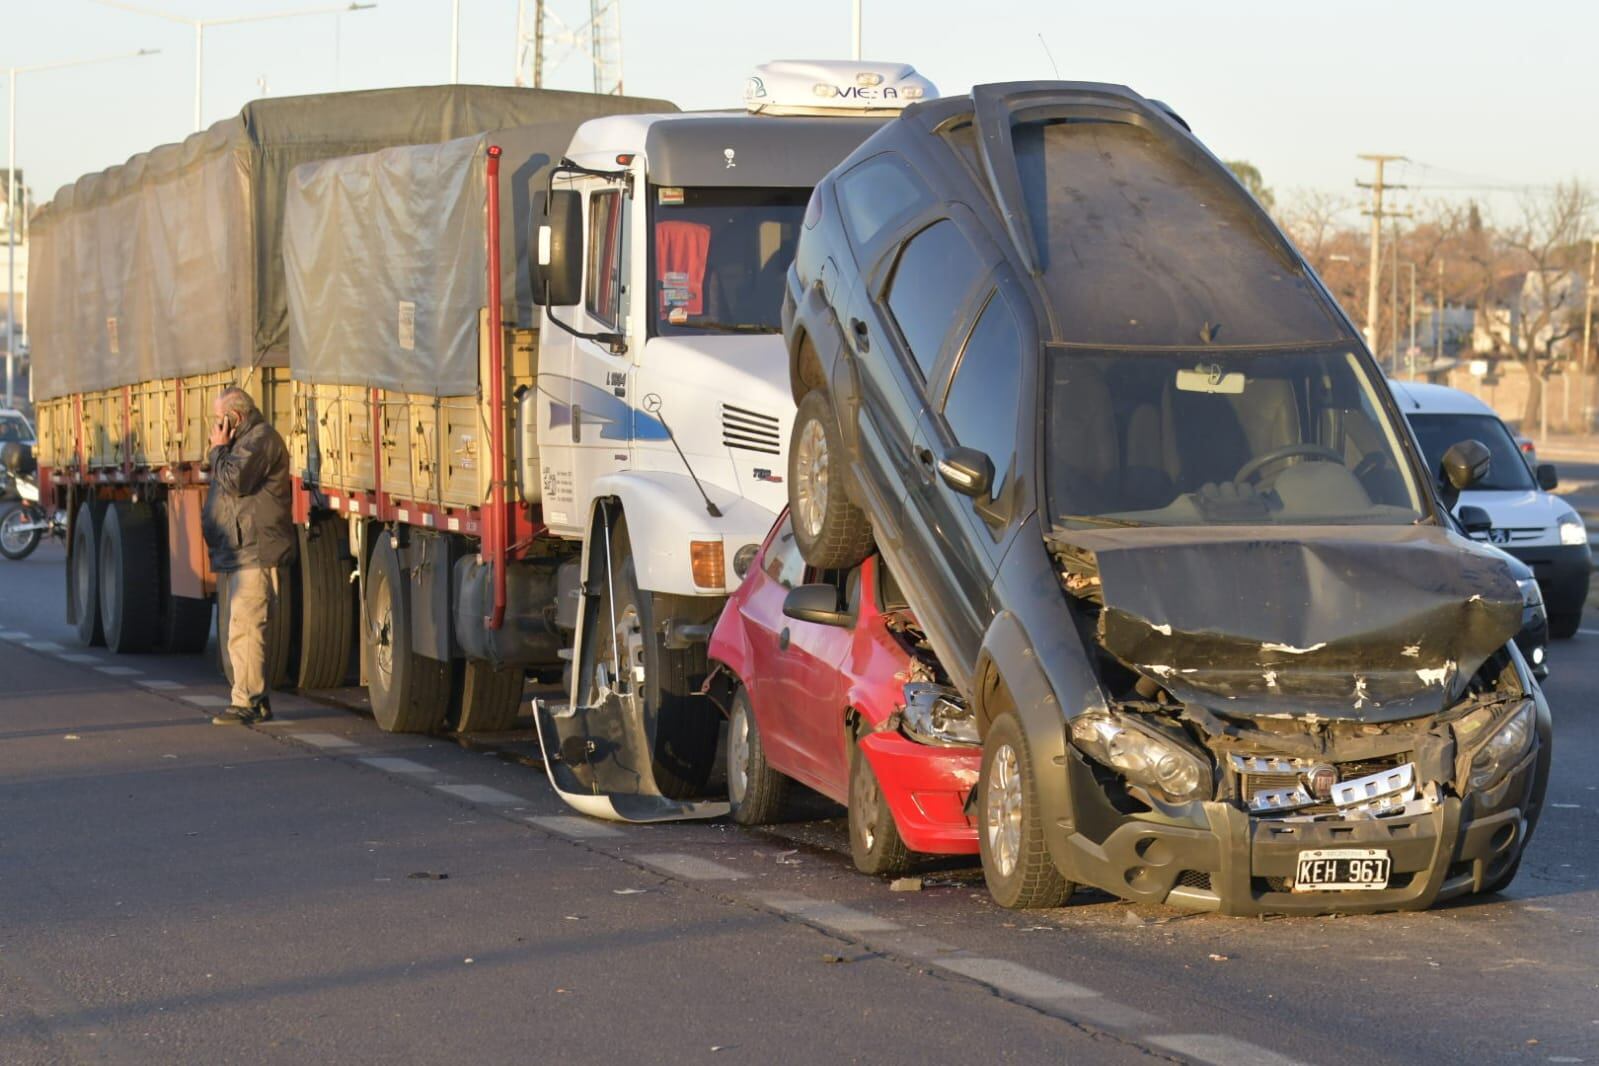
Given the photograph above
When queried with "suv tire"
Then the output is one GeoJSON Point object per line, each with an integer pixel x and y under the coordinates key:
{"type": "Point", "coordinates": [832, 533]}
{"type": "Point", "coordinates": [1010, 828]}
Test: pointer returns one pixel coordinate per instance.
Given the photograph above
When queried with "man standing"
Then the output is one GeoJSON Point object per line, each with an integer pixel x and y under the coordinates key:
{"type": "Point", "coordinates": [249, 531]}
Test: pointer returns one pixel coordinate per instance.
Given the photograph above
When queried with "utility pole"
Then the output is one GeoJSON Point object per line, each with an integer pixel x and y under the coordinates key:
{"type": "Point", "coordinates": [1438, 319]}
{"type": "Point", "coordinates": [855, 50]}
{"type": "Point", "coordinates": [1373, 283]}
{"type": "Point", "coordinates": [1583, 405]}
{"type": "Point", "coordinates": [1393, 291]}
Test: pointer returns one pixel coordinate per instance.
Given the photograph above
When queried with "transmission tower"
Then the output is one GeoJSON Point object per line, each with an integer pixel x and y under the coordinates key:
{"type": "Point", "coordinates": [548, 33]}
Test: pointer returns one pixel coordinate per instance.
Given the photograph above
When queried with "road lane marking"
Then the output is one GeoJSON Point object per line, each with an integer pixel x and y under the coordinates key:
{"type": "Point", "coordinates": [81, 660]}
{"type": "Point", "coordinates": [159, 684]}
{"type": "Point", "coordinates": [1018, 980]}
{"type": "Point", "coordinates": [1589, 632]}
{"type": "Point", "coordinates": [390, 764]}
{"type": "Point", "coordinates": [319, 740]}
{"type": "Point", "coordinates": [1221, 1050]}
{"type": "Point", "coordinates": [484, 794]}
{"type": "Point", "coordinates": [691, 867]}
{"type": "Point", "coordinates": [43, 645]}
{"type": "Point", "coordinates": [119, 671]}
{"type": "Point", "coordinates": [572, 826]}
{"type": "Point", "coordinates": [15, 634]}
{"type": "Point", "coordinates": [1567, 806]}
{"type": "Point", "coordinates": [202, 699]}
{"type": "Point", "coordinates": [829, 914]}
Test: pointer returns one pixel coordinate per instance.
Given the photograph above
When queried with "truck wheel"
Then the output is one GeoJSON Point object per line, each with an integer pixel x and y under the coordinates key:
{"type": "Point", "coordinates": [130, 578]}
{"type": "Point", "coordinates": [325, 607]}
{"type": "Point", "coordinates": [756, 792]}
{"type": "Point", "coordinates": [410, 693]}
{"type": "Point", "coordinates": [185, 625]}
{"type": "Point", "coordinates": [83, 575]}
{"type": "Point", "coordinates": [1564, 626]}
{"type": "Point", "coordinates": [832, 533]}
{"type": "Point", "coordinates": [660, 682]}
{"type": "Point", "coordinates": [489, 699]}
{"type": "Point", "coordinates": [874, 840]}
{"type": "Point", "coordinates": [1010, 831]}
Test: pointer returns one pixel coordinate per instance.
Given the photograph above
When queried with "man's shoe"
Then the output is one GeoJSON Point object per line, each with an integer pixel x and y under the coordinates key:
{"type": "Point", "coordinates": [234, 716]}
{"type": "Point", "coordinates": [263, 713]}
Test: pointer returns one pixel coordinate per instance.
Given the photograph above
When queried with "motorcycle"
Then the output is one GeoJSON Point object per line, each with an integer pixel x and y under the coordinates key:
{"type": "Point", "coordinates": [23, 526]}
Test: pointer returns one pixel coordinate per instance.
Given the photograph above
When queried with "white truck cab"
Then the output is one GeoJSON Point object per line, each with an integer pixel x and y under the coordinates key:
{"type": "Point", "coordinates": [1529, 522]}
{"type": "Point", "coordinates": [663, 411]}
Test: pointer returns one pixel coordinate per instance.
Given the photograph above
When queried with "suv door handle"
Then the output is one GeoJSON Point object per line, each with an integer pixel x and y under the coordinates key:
{"type": "Point", "coordinates": [925, 457]}
{"type": "Point", "coordinates": [862, 339]}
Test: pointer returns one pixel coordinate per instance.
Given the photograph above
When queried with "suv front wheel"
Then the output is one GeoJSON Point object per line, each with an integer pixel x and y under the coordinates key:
{"type": "Point", "coordinates": [832, 533]}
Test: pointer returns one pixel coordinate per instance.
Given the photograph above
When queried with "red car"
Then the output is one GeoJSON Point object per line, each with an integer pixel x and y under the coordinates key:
{"type": "Point", "coordinates": [827, 681]}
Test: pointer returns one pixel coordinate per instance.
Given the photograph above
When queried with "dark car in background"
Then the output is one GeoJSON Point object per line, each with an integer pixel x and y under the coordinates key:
{"type": "Point", "coordinates": [1159, 517]}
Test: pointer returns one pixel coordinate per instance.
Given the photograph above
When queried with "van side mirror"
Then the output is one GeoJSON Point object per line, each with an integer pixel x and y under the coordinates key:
{"type": "Point", "coordinates": [555, 250]}
{"type": "Point", "coordinates": [1466, 463]}
{"type": "Point", "coordinates": [1548, 479]}
{"type": "Point", "coordinates": [815, 603]}
{"type": "Point", "coordinates": [967, 471]}
{"type": "Point", "coordinates": [1474, 519]}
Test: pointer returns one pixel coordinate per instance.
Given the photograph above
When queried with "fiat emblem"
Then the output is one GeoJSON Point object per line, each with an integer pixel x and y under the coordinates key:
{"type": "Point", "coordinates": [1319, 781]}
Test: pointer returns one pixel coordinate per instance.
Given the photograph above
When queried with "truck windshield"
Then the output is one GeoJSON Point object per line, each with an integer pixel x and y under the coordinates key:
{"type": "Point", "coordinates": [1217, 436]}
{"type": "Point", "coordinates": [1438, 433]}
{"type": "Point", "coordinates": [719, 257]}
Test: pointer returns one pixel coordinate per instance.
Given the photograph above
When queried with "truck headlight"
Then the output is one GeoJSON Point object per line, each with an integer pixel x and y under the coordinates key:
{"type": "Point", "coordinates": [1531, 596]}
{"type": "Point", "coordinates": [935, 715]}
{"type": "Point", "coordinates": [1572, 531]}
{"type": "Point", "coordinates": [1140, 755]}
{"type": "Point", "coordinates": [1508, 742]}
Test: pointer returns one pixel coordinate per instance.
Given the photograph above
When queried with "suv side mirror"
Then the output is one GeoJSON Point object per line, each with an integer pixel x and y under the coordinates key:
{"type": "Point", "coordinates": [1548, 479]}
{"type": "Point", "coordinates": [815, 603]}
{"type": "Point", "coordinates": [967, 471]}
{"type": "Point", "coordinates": [1474, 519]}
{"type": "Point", "coordinates": [555, 254]}
{"type": "Point", "coordinates": [1466, 463]}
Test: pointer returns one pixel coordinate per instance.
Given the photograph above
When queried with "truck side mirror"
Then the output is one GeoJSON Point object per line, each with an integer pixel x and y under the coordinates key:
{"type": "Point", "coordinates": [1474, 519]}
{"type": "Point", "coordinates": [555, 259]}
{"type": "Point", "coordinates": [1548, 479]}
{"type": "Point", "coordinates": [1466, 463]}
{"type": "Point", "coordinates": [815, 603]}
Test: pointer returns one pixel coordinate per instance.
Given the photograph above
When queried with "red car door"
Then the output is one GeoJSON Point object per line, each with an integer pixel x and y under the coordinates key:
{"type": "Point", "coordinates": [814, 693]}
{"type": "Point", "coordinates": [761, 611]}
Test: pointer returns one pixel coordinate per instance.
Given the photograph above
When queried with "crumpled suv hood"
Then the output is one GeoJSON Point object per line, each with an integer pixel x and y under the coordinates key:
{"type": "Point", "coordinates": [1375, 623]}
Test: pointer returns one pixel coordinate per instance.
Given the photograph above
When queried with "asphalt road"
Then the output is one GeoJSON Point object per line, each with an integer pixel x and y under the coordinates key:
{"type": "Point", "coordinates": [316, 889]}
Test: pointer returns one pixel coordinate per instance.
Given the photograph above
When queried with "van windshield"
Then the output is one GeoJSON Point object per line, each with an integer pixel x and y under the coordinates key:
{"type": "Point", "coordinates": [719, 258]}
{"type": "Point", "coordinates": [1222, 436]}
{"type": "Point", "coordinates": [1438, 433]}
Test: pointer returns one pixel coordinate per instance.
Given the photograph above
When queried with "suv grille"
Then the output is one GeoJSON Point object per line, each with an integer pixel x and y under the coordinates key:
{"type": "Point", "coordinates": [1260, 773]}
{"type": "Point", "coordinates": [751, 431]}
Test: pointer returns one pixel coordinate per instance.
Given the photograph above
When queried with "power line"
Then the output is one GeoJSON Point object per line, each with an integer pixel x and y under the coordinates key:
{"type": "Point", "coordinates": [1377, 213]}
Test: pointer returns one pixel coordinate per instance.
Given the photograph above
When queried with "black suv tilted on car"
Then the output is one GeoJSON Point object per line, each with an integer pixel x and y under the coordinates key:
{"type": "Point", "coordinates": [1158, 514]}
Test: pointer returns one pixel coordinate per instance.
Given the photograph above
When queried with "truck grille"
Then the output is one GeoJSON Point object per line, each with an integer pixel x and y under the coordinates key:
{"type": "Point", "coordinates": [751, 431]}
{"type": "Point", "coordinates": [1267, 773]}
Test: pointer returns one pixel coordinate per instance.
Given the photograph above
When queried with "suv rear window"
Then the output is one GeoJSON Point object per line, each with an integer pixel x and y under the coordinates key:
{"type": "Point", "coordinates": [875, 194]}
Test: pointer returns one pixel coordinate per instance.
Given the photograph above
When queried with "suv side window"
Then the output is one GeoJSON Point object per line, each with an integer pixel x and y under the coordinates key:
{"type": "Point", "coordinates": [986, 390]}
{"type": "Point", "coordinates": [602, 290]}
{"type": "Point", "coordinates": [936, 269]}
{"type": "Point", "coordinates": [784, 564]}
{"type": "Point", "coordinates": [877, 193]}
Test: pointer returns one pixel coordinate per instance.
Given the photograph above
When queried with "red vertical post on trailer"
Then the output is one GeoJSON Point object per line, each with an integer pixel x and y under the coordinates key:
{"type": "Point", "coordinates": [494, 533]}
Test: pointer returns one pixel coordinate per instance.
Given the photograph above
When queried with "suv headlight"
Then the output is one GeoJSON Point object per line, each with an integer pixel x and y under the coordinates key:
{"type": "Point", "coordinates": [1507, 743]}
{"type": "Point", "coordinates": [1572, 531]}
{"type": "Point", "coordinates": [1141, 755]}
{"type": "Point", "coordinates": [935, 715]}
{"type": "Point", "coordinates": [1531, 595]}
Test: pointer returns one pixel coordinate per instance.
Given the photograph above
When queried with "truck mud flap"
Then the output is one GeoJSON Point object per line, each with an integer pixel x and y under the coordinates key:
{"type": "Point", "coordinates": [598, 761]}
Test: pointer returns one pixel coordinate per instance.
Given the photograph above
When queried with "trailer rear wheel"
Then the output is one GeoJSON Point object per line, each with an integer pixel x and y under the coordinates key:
{"type": "Point", "coordinates": [130, 578]}
{"type": "Point", "coordinates": [410, 693]}
{"type": "Point", "coordinates": [325, 606]}
{"type": "Point", "coordinates": [83, 575]}
{"type": "Point", "coordinates": [489, 699]}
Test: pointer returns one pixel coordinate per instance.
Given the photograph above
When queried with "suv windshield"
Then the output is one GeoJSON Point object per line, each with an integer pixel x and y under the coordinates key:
{"type": "Point", "coordinates": [1438, 433]}
{"type": "Point", "coordinates": [1219, 436]}
{"type": "Point", "coordinates": [720, 256]}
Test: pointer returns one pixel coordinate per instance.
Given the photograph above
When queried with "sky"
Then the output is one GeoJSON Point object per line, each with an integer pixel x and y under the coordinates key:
{"type": "Point", "coordinates": [1488, 99]}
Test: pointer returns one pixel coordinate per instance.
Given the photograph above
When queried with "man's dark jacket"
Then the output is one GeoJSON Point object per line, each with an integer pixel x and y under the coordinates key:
{"type": "Point", "coordinates": [248, 521]}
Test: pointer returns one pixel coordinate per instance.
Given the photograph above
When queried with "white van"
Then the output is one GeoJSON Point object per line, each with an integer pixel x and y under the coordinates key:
{"type": "Point", "coordinates": [1540, 529]}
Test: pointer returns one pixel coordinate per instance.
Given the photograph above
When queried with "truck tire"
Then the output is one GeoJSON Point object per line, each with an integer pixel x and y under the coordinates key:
{"type": "Point", "coordinates": [83, 575]}
{"type": "Point", "coordinates": [130, 578]}
{"type": "Point", "coordinates": [277, 654]}
{"type": "Point", "coordinates": [489, 698]}
{"type": "Point", "coordinates": [185, 625]}
{"type": "Point", "coordinates": [682, 727]}
{"type": "Point", "coordinates": [410, 693]}
{"type": "Point", "coordinates": [756, 792]}
{"type": "Point", "coordinates": [831, 532]}
{"type": "Point", "coordinates": [1010, 827]}
{"type": "Point", "coordinates": [325, 605]}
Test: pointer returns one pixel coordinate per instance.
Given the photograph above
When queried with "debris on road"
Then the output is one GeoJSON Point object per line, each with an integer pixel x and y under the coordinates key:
{"type": "Point", "coordinates": [905, 884]}
{"type": "Point", "coordinates": [426, 875]}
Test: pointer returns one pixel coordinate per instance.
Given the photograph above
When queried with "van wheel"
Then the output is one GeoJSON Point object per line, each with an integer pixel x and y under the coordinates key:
{"type": "Point", "coordinates": [832, 533]}
{"type": "Point", "coordinates": [1010, 831]}
{"type": "Point", "coordinates": [83, 575]}
{"type": "Point", "coordinates": [488, 699]}
{"type": "Point", "coordinates": [874, 840]}
{"type": "Point", "coordinates": [129, 580]}
{"type": "Point", "coordinates": [410, 693]}
{"type": "Point", "coordinates": [756, 792]}
{"type": "Point", "coordinates": [1564, 626]}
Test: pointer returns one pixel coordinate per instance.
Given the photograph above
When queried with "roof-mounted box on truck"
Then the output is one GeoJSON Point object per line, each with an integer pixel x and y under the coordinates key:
{"type": "Point", "coordinates": [828, 86]}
